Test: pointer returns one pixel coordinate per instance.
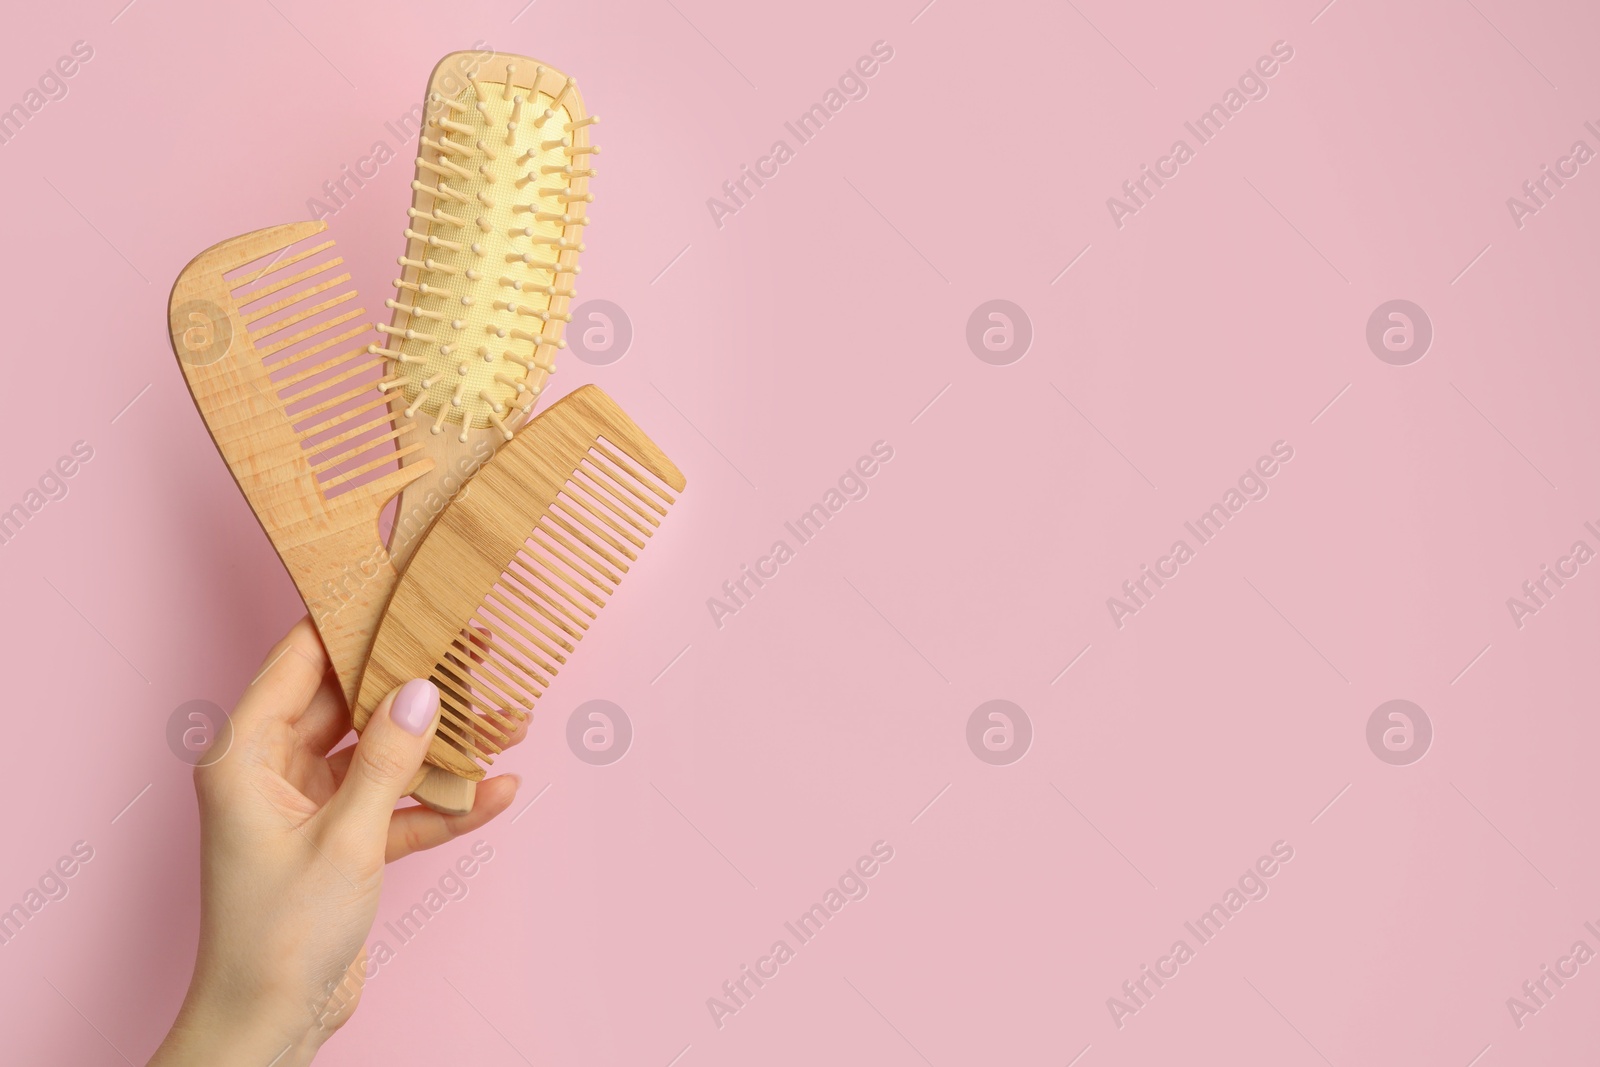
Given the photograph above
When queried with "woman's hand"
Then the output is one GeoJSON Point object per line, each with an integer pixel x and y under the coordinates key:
{"type": "Point", "coordinates": [293, 842]}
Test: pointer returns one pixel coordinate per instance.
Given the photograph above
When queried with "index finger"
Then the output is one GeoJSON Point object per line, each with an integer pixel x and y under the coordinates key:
{"type": "Point", "coordinates": [282, 690]}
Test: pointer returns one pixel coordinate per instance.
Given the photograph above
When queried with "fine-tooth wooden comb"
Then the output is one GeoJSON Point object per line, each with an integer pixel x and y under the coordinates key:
{"type": "Point", "coordinates": [271, 342]}
{"type": "Point", "coordinates": [485, 290]}
{"type": "Point", "coordinates": [513, 573]}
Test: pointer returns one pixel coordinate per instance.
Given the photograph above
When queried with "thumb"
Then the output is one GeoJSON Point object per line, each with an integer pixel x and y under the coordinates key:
{"type": "Point", "coordinates": [387, 758]}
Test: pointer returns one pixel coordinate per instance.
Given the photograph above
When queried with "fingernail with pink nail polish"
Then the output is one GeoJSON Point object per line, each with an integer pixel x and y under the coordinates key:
{"type": "Point", "coordinates": [415, 706]}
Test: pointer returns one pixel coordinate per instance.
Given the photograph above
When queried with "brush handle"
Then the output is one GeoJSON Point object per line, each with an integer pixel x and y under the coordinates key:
{"type": "Point", "coordinates": [453, 465]}
{"type": "Point", "coordinates": [446, 793]}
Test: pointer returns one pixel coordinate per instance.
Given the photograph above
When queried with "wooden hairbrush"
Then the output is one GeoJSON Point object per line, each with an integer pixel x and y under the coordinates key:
{"type": "Point", "coordinates": [485, 289]}
{"type": "Point", "coordinates": [274, 351]}
{"type": "Point", "coordinates": [513, 573]}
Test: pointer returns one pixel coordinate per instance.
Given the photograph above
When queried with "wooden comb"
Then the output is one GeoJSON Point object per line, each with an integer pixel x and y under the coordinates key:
{"type": "Point", "coordinates": [485, 289]}
{"type": "Point", "coordinates": [512, 575]}
{"type": "Point", "coordinates": [271, 343]}
{"type": "Point", "coordinates": [275, 357]}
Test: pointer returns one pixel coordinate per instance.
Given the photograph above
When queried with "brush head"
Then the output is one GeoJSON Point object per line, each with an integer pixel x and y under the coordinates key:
{"type": "Point", "coordinates": [513, 574]}
{"type": "Point", "coordinates": [492, 242]}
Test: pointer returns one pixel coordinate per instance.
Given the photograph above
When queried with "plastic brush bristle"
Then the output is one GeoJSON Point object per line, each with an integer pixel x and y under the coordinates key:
{"type": "Point", "coordinates": [492, 244]}
{"type": "Point", "coordinates": [305, 324]}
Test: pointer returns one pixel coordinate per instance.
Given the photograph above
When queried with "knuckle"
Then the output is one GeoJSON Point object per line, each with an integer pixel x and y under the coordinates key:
{"type": "Point", "coordinates": [421, 837]}
{"type": "Point", "coordinates": [382, 762]}
{"type": "Point", "coordinates": [412, 841]}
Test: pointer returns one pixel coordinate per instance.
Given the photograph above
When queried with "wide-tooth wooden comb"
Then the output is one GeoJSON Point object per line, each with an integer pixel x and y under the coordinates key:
{"type": "Point", "coordinates": [274, 349]}
{"type": "Point", "coordinates": [512, 574]}
{"type": "Point", "coordinates": [492, 240]}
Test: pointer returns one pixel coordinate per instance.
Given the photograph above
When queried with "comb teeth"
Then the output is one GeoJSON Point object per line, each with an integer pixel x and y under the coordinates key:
{"type": "Point", "coordinates": [304, 323]}
{"type": "Point", "coordinates": [505, 657]}
{"type": "Point", "coordinates": [491, 249]}
{"type": "Point", "coordinates": [513, 575]}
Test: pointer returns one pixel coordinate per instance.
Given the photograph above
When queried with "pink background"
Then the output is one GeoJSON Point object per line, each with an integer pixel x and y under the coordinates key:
{"type": "Point", "coordinates": [829, 712]}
